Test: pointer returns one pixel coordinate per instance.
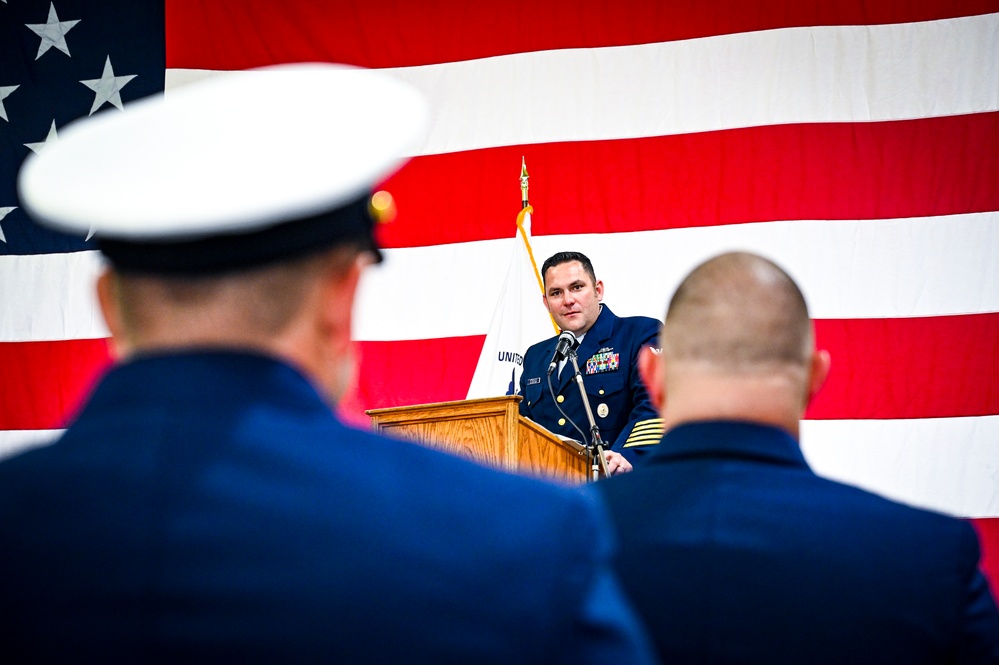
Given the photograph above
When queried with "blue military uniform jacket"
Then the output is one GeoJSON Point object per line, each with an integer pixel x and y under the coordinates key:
{"type": "Point", "coordinates": [734, 551]}
{"type": "Point", "coordinates": [209, 507]}
{"type": "Point", "coordinates": [607, 359]}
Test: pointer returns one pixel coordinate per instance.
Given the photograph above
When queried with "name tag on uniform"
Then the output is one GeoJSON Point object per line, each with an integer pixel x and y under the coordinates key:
{"type": "Point", "coordinates": [607, 361]}
{"type": "Point", "coordinates": [533, 381]}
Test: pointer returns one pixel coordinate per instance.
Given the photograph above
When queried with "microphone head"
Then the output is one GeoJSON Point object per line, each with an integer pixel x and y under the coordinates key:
{"type": "Point", "coordinates": [566, 343]}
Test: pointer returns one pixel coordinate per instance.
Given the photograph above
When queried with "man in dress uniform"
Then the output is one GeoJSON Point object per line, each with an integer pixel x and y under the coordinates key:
{"type": "Point", "coordinates": [733, 550]}
{"type": "Point", "coordinates": [206, 505]}
{"type": "Point", "coordinates": [608, 350]}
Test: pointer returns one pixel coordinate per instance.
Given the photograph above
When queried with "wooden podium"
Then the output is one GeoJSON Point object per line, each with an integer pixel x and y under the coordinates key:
{"type": "Point", "coordinates": [489, 430]}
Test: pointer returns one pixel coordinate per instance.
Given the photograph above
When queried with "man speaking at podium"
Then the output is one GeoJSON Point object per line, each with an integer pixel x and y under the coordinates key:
{"type": "Point", "coordinates": [608, 348]}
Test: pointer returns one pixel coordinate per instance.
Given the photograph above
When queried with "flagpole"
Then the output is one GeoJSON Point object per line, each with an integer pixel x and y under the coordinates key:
{"type": "Point", "coordinates": [523, 182]}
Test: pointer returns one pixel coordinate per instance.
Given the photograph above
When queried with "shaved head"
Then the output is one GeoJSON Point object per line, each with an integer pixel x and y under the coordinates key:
{"type": "Point", "coordinates": [738, 313]}
{"type": "Point", "coordinates": [737, 344]}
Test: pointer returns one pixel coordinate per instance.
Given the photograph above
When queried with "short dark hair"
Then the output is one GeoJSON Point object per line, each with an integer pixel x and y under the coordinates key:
{"type": "Point", "coordinates": [567, 257]}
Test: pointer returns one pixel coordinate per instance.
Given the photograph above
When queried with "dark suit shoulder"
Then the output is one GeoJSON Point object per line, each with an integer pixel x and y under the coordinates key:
{"type": "Point", "coordinates": [933, 529]}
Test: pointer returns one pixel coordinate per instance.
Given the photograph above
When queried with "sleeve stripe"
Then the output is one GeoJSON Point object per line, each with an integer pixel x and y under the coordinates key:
{"type": "Point", "coordinates": [646, 425]}
{"type": "Point", "coordinates": [649, 440]}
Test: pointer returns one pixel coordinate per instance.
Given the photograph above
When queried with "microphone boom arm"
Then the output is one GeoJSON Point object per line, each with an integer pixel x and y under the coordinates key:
{"type": "Point", "coordinates": [596, 446]}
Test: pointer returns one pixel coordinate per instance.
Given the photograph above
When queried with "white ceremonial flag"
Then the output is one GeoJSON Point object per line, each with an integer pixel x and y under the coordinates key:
{"type": "Point", "coordinates": [519, 320]}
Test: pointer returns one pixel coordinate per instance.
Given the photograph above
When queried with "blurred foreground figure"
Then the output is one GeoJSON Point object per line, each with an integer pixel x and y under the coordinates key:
{"type": "Point", "coordinates": [206, 505]}
{"type": "Point", "coordinates": [732, 549]}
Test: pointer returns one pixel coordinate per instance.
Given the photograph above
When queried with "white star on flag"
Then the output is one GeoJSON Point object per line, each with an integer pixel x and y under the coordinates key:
{"type": "Point", "coordinates": [107, 87]}
{"type": "Point", "coordinates": [5, 91]}
{"type": "Point", "coordinates": [3, 213]}
{"type": "Point", "coordinates": [53, 32]}
{"type": "Point", "coordinates": [52, 136]}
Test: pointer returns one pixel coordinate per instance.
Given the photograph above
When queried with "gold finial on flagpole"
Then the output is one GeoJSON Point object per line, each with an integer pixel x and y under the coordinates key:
{"type": "Point", "coordinates": [523, 181]}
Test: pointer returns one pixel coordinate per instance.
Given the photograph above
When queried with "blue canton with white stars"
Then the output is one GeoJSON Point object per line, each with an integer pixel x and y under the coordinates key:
{"type": "Point", "coordinates": [61, 60]}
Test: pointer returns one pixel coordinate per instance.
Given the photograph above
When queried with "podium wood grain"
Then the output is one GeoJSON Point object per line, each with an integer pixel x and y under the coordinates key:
{"type": "Point", "coordinates": [488, 430]}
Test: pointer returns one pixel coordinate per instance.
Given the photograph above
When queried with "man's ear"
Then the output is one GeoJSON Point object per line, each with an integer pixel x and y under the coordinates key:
{"type": "Point", "coordinates": [110, 304]}
{"type": "Point", "coordinates": [818, 372]}
{"type": "Point", "coordinates": [650, 368]}
{"type": "Point", "coordinates": [339, 288]}
{"type": "Point", "coordinates": [599, 288]}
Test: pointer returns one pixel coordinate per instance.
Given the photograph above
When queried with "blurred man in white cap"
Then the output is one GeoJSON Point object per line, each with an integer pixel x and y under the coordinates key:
{"type": "Point", "coordinates": [206, 504]}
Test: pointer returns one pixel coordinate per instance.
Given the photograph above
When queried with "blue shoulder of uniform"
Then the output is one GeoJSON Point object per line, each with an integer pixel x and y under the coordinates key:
{"type": "Point", "coordinates": [644, 327]}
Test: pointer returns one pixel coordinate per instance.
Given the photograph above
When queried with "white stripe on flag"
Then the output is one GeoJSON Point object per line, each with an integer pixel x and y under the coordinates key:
{"type": "Point", "coordinates": [50, 297]}
{"type": "Point", "coordinates": [945, 464]}
{"type": "Point", "coordinates": [938, 266]}
{"type": "Point", "coordinates": [791, 75]}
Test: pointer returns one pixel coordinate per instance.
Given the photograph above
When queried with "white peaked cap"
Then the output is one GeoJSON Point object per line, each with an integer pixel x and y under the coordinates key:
{"type": "Point", "coordinates": [233, 171]}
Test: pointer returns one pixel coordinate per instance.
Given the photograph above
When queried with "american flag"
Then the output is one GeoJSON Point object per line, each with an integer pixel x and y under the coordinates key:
{"type": "Point", "coordinates": [855, 143]}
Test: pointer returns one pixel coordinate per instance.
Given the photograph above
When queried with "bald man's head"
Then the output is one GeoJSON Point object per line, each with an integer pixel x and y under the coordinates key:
{"type": "Point", "coordinates": [737, 345]}
{"type": "Point", "coordinates": [738, 313]}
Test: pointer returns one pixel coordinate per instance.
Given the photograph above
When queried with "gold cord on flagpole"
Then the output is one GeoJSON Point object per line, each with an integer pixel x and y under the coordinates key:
{"type": "Point", "coordinates": [527, 209]}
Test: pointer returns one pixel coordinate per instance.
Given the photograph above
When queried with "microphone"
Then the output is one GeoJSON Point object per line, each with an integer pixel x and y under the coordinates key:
{"type": "Point", "coordinates": [566, 343]}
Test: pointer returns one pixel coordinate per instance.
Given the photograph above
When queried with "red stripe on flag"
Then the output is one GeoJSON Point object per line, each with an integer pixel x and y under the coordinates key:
{"type": "Point", "coordinates": [914, 168]}
{"type": "Point", "coordinates": [45, 382]}
{"type": "Point", "coordinates": [934, 367]}
{"type": "Point", "coordinates": [414, 372]}
{"type": "Point", "coordinates": [238, 34]}
{"type": "Point", "coordinates": [882, 368]}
